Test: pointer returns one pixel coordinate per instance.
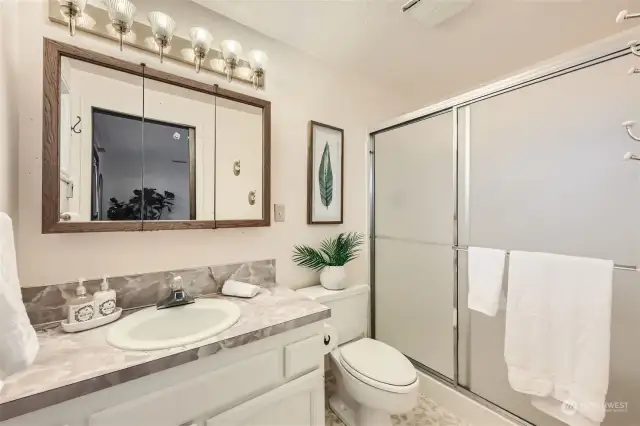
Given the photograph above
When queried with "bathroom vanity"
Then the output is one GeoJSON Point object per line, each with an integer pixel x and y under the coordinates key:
{"type": "Point", "coordinates": [266, 369]}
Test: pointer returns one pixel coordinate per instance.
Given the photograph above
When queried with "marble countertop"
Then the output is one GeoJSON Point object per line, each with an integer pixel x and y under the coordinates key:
{"type": "Point", "coordinates": [71, 365]}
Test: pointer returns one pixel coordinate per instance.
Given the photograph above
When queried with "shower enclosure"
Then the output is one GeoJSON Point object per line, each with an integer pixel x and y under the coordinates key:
{"type": "Point", "coordinates": [532, 163]}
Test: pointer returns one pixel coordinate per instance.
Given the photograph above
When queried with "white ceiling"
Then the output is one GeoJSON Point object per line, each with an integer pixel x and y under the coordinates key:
{"type": "Point", "coordinates": [490, 39]}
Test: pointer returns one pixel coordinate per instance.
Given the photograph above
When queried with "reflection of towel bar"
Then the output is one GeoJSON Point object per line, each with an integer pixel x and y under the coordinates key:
{"type": "Point", "coordinates": [616, 266]}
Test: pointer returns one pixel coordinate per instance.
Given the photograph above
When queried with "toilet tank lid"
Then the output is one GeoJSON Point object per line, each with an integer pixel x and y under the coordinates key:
{"type": "Point", "coordinates": [322, 295]}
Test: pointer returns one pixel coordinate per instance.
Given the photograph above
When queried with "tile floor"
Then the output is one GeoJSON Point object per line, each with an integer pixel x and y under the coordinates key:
{"type": "Point", "coordinates": [427, 413]}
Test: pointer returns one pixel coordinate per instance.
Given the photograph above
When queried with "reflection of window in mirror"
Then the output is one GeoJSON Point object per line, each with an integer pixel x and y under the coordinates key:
{"type": "Point", "coordinates": [168, 182]}
{"type": "Point", "coordinates": [180, 157]}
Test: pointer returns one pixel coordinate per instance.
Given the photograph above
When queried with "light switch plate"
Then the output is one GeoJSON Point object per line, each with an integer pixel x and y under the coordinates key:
{"type": "Point", "coordinates": [278, 210]}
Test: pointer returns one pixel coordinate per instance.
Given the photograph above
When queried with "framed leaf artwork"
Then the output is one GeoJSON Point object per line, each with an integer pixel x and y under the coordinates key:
{"type": "Point", "coordinates": [324, 174]}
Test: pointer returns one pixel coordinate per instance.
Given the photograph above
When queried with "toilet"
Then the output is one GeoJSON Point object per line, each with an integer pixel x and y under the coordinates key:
{"type": "Point", "coordinates": [373, 379]}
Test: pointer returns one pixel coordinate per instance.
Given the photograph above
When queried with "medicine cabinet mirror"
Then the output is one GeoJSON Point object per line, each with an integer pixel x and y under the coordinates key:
{"type": "Point", "coordinates": [130, 148]}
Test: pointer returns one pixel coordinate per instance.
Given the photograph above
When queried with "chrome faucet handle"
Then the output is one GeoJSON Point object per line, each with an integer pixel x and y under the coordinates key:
{"type": "Point", "coordinates": [177, 297]}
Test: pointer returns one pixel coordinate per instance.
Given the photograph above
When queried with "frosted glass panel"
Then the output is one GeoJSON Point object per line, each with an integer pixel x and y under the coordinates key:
{"type": "Point", "coordinates": [414, 181]}
{"type": "Point", "coordinates": [546, 166]}
{"type": "Point", "coordinates": [414, 299]}
{"type": "Point", "coordinates": [547, 174]}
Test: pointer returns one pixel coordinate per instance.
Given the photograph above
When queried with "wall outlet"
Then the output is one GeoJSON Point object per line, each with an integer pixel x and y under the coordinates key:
{"type": "Point", "coordinates": [278, 210]}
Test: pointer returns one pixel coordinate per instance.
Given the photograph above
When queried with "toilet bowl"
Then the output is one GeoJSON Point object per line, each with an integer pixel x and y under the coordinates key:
{"type": "Point", "coordinates": [373, 381]}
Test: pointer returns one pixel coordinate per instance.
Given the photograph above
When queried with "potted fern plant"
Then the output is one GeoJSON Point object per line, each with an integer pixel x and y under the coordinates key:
{"type": "Point", "coordinates": [330, 258]}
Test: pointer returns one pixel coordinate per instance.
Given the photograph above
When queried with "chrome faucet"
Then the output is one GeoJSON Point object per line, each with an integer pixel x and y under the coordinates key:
{"type": "Point", "coordinates": [177, 297]}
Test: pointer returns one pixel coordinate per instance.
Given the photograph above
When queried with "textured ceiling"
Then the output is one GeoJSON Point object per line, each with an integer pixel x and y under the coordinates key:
{"type": "Point", "coordinates": [490, 39]}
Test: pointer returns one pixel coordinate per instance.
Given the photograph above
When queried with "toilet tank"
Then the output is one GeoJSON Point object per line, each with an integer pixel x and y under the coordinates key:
{"type": "Point", "coordinates": [349, 309]}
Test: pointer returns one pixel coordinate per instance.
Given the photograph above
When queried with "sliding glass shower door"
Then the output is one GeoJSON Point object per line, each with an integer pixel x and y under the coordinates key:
{"type": "Point", "coordinates": [414, 201]}
{"type": "Point", "coordinates": [536, 167]}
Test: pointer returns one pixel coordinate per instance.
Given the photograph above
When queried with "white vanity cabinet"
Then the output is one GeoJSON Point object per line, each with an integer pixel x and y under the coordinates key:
{"type": "Point", "coordinates": [278, 380]}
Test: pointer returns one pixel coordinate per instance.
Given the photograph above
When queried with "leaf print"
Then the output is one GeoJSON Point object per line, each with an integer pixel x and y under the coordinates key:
{"type": "Point", "coordinates": [325, 177]}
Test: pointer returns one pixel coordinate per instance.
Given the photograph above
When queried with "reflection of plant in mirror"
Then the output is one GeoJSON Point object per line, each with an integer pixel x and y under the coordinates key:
{"type": "Point", "coordinates": [155, 204]}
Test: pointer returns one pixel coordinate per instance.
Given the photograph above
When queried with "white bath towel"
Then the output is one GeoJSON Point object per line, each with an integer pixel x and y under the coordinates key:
{"type": "Point", "coordinates": [486, 270]}
{"type": "Point", "coordinates": [239, 289]}
{"type": "Point", "coordinates": [558, 332]}
{"type": "Point", "coordinates": [18, 341]}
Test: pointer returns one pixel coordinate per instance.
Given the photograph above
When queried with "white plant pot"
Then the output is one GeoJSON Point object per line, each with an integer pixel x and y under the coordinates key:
{"type": "Point", "coordinates": [333, 277]}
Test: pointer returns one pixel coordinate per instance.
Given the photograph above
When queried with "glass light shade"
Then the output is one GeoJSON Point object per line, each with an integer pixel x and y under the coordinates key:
{"type": "Point", "coordinates": [201, 38]}
{"type": "Point", "coordinates": [162, 25]}
{"type": "Point", "coordinates": [231, 49]}
{"type": "Point", "coordinates": [130, 37]}
{"type": "Point", "coordinates": [258, 60]}
{"type": "Point", "coordinates": [121, 10]}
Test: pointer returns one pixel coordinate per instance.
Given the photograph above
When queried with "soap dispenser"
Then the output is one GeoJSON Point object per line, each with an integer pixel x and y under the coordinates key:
{"type": "Point", "coordinates": [104, 299]}
{"type": "Point", "coordinates": [81, 307]}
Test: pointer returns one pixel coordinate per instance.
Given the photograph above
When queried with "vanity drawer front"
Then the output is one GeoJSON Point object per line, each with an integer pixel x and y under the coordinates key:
{"type": "Point", "coordinates": [303, 356]}
{"type": "Point", "coordinates": [188, 400]}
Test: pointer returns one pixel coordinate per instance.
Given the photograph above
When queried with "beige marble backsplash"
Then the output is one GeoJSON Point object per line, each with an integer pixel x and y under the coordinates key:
{"type": "Point", "coordinates": [47, 303]}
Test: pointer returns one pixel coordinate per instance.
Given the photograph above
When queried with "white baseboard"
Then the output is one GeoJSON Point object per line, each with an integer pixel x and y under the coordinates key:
{"type": "Point", "coordinates": [461, 405]}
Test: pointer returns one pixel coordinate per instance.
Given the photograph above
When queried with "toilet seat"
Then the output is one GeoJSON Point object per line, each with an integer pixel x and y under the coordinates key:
{"type": "Point", "coordinates": [379, 365]}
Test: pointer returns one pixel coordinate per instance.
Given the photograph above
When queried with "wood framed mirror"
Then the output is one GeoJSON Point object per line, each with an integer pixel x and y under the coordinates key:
{"type": "Point", "coordinates": [130, 148]}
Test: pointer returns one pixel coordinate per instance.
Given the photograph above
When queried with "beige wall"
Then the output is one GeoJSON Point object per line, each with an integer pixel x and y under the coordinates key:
{"type": "Point", "coordinates": [8, 112]}
{"type": "Point", "coordinates": [300, 89]}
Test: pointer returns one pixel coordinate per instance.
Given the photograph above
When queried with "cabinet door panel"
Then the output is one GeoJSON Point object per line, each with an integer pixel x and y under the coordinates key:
{"type": "Point", "coordinates": [100, 142]}
{"type": "Point", "coordinates": [239, 145]}
{"type": "Point", "coordinates": [192, 399]}
{"type": "Point", "coordinates": [297, 403]}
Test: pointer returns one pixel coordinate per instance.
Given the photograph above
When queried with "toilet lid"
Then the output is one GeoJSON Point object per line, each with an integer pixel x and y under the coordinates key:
{"type": "Point", "coordinates": [379, 361]}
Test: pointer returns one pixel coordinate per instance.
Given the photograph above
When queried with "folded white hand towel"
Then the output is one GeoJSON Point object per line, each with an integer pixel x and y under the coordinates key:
{"type": "Point", "coordinates": [486, 270]}
{"type": "Point", "coordinates": [239, 289]}
{"type": "Point", "coordinates": [18, 341]}
{"type": "Point", "coordinates": [557, 337]}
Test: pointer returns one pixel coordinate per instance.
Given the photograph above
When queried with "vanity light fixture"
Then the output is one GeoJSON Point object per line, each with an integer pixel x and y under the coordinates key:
{"type": "Point", "coordinates": [201, 40]}
{"type": "Point", "coordinates": [231, 51]}
{"type": "Point", "coordinates": [162, 27]}
{"type": "Point", "coordinates": [121, 13]}
{"type": "Point", "coordinates": [258, 61]}
{"type": "Point", "coordinates": [72, 9]}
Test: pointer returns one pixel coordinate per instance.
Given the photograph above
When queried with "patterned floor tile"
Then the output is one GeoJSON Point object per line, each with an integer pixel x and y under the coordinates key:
{"type": "Point", "coordinates": [427, 413]}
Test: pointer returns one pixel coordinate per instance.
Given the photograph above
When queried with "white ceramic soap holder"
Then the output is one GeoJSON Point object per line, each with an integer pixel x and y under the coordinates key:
{"type": "Point", "coordinates": [75, 327]}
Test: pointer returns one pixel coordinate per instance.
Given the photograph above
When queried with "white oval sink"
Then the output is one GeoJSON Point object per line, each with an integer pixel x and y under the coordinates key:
{"type": "Point", "coordinates": [152, 328]}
